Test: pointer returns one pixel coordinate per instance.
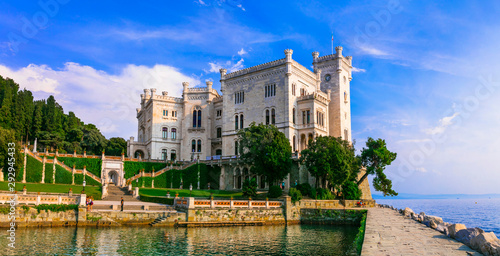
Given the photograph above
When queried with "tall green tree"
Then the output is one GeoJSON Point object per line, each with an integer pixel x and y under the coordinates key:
{"type": "Point", "coordinates": [375, 157]}
{"type": "Point", "coordinates": [8, 136]}
{"type": "Point", "coordinates": [266, 150]}
{"type": "Point", "coordinates": [116, 146]}
{"type": "Point", "coordinates": [331, 160]}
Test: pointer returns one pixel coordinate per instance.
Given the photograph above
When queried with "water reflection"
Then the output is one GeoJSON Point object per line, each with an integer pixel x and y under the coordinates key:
{"type": "Point", "coordinates": [263, 240]}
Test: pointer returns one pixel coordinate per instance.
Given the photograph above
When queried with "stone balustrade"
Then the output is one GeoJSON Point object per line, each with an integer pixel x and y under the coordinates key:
{"type": "Point", "coordinates": [191, 203]}
{"type": "Point", "coordinates": [37, 199]}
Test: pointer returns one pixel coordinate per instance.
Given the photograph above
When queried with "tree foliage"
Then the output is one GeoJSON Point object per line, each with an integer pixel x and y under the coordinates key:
{"type": "Point", "coordinates": [250, 187]}
{"type": "Point", "coordinates": [331, 160]}
{"type": "Point", "coordinates": [375, 157]}
{"type": "Point", "coordinates": [28, 119]}
{"type": "Point", "coordinates": [266, 150]}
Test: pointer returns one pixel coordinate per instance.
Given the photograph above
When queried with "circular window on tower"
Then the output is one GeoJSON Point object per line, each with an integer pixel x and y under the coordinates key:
{"type": "Point", "coordinates": [328, 77]}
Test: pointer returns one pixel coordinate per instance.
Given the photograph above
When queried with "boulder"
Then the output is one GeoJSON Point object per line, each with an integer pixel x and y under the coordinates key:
{"type": "Point", "coordinates": [465, 235]}
{"type": "Point", "coordinates": [453, 229]}
{"type": "Point", "coordinates": [408, 212]}
{"type": "Point", "coordinates": [433, 224]}
{"type": "Point", "coordinates": [442, 227]}
{"type": "Point", "coordinates": [420, 218]}
{"type": "Point", "coordinates": [486, 243]}
{"type": "Point", "coordinates": [430, 218]}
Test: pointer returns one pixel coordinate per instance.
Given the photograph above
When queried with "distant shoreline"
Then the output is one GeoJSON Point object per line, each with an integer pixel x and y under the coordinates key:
{"type": "Point", "coordinates": [438, 196]}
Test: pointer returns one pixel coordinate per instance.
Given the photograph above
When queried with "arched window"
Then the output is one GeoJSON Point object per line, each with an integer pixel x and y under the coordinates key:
{"type": "Point", "coordinates": [294, 148]}
{"type": "Point", "coordinates": [262, 181]}
{"type": "Point", "coordinates": [273, 116]}
{"type": "Point", "coordinates": [199, 118]}
{"type": "Point", "coordinates": [267, 116]}
{"type": "Point", "coordinates": [241, 121]}
{"type": "Point", "coordinates": [218, 152]}
{"type": "Point", "coordinates": [309, 140]}
{"type": "Point", "coordinates": [165, 132]}
{"type": "Point", "coordinates": [163, 154]}
{"type": "Point", "coordinates": [199, 145]}
{"type": "Point", "coordinates": [293, 115]}
{"type": "Point", "coordinates": [193, 146]}
{"type": "Point", "coordinates": [173, 131]}
{"type": "Point", "coordinates": [236, 148]}
{"type": "Point", "coordinates": [236, 122]}
{"type": "Point", "coordinates": [194, 117]}
{"type": "Point", "coordinates": [173, 155]}
{"type": "Point", "coordinates": [219, 132]}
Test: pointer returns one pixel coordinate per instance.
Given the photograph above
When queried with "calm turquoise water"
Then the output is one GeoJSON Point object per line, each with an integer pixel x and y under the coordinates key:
{"type": "Point", "coordinates": [482, 213]}
{"type": "Point", "coordinates": [263, 240]}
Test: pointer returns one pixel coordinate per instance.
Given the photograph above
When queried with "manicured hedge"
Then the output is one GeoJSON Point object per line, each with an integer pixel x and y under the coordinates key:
{"type": "Point", "coordinates": [33, 170]}
{"type": "Point", "coordinates": [48, 172]}
{"type": "Point", "coordinates": [156, 199]}
{"type": "Point", "coordinates": [132, 168]}
{"type": "Point", "coordinates": [93, 165]}
{"type": "Point", "coordinates": [90, 182]}
{"type": "Point", "coordinates": [161, 181]}
{"type": "Point", "coordinates": [62, 175]}
{"type": "Point", "coordinates": [172, 178]}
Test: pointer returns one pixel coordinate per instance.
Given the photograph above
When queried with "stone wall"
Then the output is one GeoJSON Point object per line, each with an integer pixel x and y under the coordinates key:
{"type": "Point", "coordinates": [269, 216]}
{"type": "Point", "coordinates": [116, 218]}
{"type": "Point", "coordinates": [32, 218]}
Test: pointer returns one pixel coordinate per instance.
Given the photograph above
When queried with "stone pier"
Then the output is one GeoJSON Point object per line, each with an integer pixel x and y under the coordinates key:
{"type": "Point", "coordinates": [389, 233]}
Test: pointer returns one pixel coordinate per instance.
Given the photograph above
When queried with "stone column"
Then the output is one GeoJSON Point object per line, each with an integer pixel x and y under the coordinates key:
{"type": "Point", "coordinates": [73, 175]}
{"type": "Point", "coordinates": [153, 183]}
{"type": "Point", "coordinates": [74, 153]}
{"type": "Point", "coordinates": [44, 160]}
{"type": "Point", "coordinates": [25, 161]}
{"type": "Point", "coordinates": [54, 171]}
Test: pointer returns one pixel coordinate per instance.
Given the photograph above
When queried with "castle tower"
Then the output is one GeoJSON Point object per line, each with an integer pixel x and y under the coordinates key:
{"type": "Point", "coordinates": [335, 72]}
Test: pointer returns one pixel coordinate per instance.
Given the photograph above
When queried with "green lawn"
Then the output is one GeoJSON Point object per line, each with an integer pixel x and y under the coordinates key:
{"type": "Point", "coordinates": [185, 192]}
{"type": "Point", "coordinates": [93, 191]}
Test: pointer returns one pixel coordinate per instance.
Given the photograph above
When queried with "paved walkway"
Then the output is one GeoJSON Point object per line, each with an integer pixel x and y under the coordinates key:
{"type": "Point", "coordinates": [388, 233]}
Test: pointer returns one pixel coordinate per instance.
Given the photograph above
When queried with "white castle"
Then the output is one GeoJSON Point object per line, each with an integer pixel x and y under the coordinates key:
{"type": "Point", "coordinates": [203, 124]}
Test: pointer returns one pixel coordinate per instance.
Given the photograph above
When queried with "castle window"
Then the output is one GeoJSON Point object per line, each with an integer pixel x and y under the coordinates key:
{"type": "Point", "coordinates": [173, 155]}
{"type": "Point", "coordinates": [236, 122]}
{"type": "Point", "coordinates": [293, 89]}
{"type": "Point", "coordinates": [219, 112]}
{"type": "Point", "coordinates": [236, 148]}
{"type": "Point", "coordinates": [270, 90]}
{"type": "Point", "coordinates": [174, 113]}
{"type": "Point", "coordinates": [239, 97]}
{"type": "Point", "coordinates": [345, 96]}
{"type": "Point", "coordinates": [273, 116]}
{"type": "Point", "coordinates": [193, 145]}
{"type": "Point", "coordinates": [302, 92]}
{"type": "Point", "coordinates": [294, 148]}
{"type": "Point", "coordinates": [199, 118]}
{"type": "Point", "coordinates": [293, 115]}
{"type": "Point", "coordinates": [194, 117]}
{"type": "Point", "coordinates": [165, 132]}
{"type": "Point", "coordinates": [303, 117]}
{"type": "Point", "coordinates": [165, 112]}
{"type": "Point", "coordinates": [308, 113]}
{"type": "Point", "coordinates": [199, 145]}
{"type": "Point", "coordinates": [219, 132]}
{"type": "Point", "coordinates": [218, 152]}
{"type": "Point", "coordinates": [267, 116]}
{"type": "Point", "coordinates": [346, 134]}
{"type": "Point", "coordinates": [173, 131]}
{"type": "Point", "coordinates": [164, 154]}
{"type": "Point", "coordinates": [241, 121]}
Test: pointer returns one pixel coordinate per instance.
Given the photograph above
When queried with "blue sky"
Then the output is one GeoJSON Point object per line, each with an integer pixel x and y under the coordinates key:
{"type": "Point", "coordinates": [426, 75]}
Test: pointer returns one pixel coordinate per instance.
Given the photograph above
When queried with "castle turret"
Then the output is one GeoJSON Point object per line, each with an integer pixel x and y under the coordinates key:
{"type": "Point", "coordinates": [223, 72]}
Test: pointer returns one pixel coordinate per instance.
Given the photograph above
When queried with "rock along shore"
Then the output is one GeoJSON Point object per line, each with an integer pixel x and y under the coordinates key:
{"type": "Point", "coordinates": [475, 238]}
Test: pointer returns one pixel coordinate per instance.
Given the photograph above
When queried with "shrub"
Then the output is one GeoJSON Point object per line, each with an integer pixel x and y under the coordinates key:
{"type": "Point", "coordinates": [93, 165]}
{"type": "Point", "coordinates": [360, 237]}
{"type": "Point", "coordinates": [295, 194]}
{"type": "Point", "coordinates": [63, 176]}
{"type": "Point", "coordinates": [56, 207]}
{"type": "Point", "coordinates": [250, 188]}
{"type": "Point", "coordinates": [274, 191]}
{"type": "Point", "coordinates": [48, 172]}
{"type": "Point", "coordinates": [324, 194]}
{"type": "Point", "coordinates": [351, 191]}
{"type": "Point", "coordinates": [305, 189]}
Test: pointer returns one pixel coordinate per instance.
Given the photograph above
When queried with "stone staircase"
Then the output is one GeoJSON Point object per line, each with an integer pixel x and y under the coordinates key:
{"type": "Point", "coordinates": [116, 193]}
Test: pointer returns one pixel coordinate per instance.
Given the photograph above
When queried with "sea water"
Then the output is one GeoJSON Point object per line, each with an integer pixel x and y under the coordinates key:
{"type": "Point", "coordinates": [481, 213]}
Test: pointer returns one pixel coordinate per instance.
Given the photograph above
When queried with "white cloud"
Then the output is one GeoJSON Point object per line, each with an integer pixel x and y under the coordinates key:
{"type": "Point", "coordinates": [372, 50]}
{"type": "Point", "coordinates": [241, 7]}
{"type": "Point", "coordinates": [443, 123]}
{"type": "Point", "coordinates": [421, 169]}
{"type": "Point", "coordinates": [201, 2]}
{"type": "Point", "coordinates": [242, 52]}
{"type": "Point", "coordinates": [229, 65]}
{"type": "Point", "coordinates": [414, 141]}
{"type": "Point", "coordinates": [358, 70]}
{"type": "Point", "coordinates": [106, 100]}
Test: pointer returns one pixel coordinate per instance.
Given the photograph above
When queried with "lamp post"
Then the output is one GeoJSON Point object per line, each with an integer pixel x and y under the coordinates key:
{"type": "Point", "coordinates": [190, 189]}
{"type": "Point", "coordinates": [84, 182]}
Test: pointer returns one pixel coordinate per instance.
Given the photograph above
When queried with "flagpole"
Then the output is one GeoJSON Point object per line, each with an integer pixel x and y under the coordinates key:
{"type": "Point", "coordinates": [332, 42]}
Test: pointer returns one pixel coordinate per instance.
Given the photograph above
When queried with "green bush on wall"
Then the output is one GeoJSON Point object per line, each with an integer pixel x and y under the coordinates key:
{"type": "Point", "coordinates": [48, 172]}
{"type": "Point", "coordinates": [93, 165]}
{"type": "Point", "coordinates": [62, 175]}
{"type": "Point", "coordinates": [132, 168]}
{"type": "Point", "coordinates": [33, 170]}
{"type": "Point", "coordinates": [156, 199]}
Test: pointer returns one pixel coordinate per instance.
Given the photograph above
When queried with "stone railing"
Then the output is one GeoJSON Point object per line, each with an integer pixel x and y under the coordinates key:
{"type": "Point", "coordinates": [191, 203]}
{"type": "Point", "coordinates": [36, 199]}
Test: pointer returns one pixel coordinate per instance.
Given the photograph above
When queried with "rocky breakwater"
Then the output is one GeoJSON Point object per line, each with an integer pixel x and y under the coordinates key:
{"type": "Point", "coordinates": [486, 243]}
